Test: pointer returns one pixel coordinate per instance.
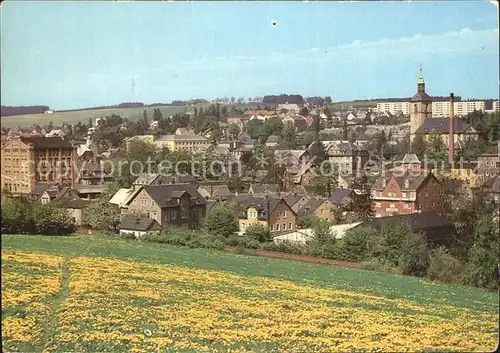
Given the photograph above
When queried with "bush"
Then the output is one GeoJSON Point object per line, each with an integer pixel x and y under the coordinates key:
{"type": "Point", "coordinates": [50, 220]}
{"type": "Point", "coordinates": [285, 246]}
{"type": "Point", "coordinates": [414, 255]}
{"type": "Point", "coordinates": [17, 216]}
{"type": "Point", "coordinates": [354, 245]}
{"type": "Point", "coordinates": [185, 237]}
{"type": "Point", "coordinates": [443, 267]}
{"type": "Point", "coordinates": [241, 250]}
{"type": "Point", "coordinates": [306, 220]}
{"type": "Point", "coordinates": [327, 250]}
{"type": "Point", "coordinates": [258, 233]}
{"type": "Point", "coordinates": [375, 264]}
{"type": "Point", "coordinates": [128, 235]}
{"type": "Point", "coordinates": [483, 256]}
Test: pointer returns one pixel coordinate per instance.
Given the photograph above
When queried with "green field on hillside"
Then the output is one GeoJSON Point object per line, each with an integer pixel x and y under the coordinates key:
{"type": "Point", "coordinates": [84, 115]}
{"type": "Point", "coordinates": [95, 293]}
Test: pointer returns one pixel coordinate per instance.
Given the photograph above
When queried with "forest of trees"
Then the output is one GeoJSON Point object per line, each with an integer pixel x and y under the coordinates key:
{"type": "Point", "coordinates": [283, 99]}
{"type": "Point", "coordinates": [32, 109]}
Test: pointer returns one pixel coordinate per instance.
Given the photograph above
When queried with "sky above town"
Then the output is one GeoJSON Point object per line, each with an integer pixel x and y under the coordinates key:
{"type": "Point", "coordinates": [73, 55]}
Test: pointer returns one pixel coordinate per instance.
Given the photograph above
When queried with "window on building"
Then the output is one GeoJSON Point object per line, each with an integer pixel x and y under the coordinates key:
{"type": "Point", "coordinates": [404, 194]}
{"type": "Point", "coordinates": [278, 214]}
{"type": "Point", "coordinates": [284, 214]}
{"type": "Point", "coordinates": [277, 227]}
{"type": "Point", "coordinates": [174, 215]}
{"type": "Point", "coordinates": [392, 205]}
{"type": "Point", "coordinates": [184, 213]}
{"type": "Point", "coordinates": [290, 226]}
{"type": "Point", "coordinates": [271, 228]}
{"type": "Point", "coordinates": [152, 203]}
{"type": "Point", "coordinates": [144, 202]}
{"type": "Point", "coordinates": [284, 226]}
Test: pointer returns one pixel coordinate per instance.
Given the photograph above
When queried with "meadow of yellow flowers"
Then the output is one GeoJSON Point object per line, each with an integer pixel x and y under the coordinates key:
{"type": "Point", "coordinates": [89, 304]}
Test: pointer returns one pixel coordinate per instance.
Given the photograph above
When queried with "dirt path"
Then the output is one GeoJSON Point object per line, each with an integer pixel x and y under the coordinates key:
{"type": "Point", "coordinates": [310, 259]}
{"type": "Point", "coordinates": [62, 295]}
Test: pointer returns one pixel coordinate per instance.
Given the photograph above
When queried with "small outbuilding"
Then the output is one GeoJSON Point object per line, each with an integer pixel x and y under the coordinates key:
{"type": "Point", "coordinates": [138, 226]}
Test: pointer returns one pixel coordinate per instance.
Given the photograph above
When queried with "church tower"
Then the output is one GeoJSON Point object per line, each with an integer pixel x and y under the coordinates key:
{"type": "Point", "coordinates": [420, 106]}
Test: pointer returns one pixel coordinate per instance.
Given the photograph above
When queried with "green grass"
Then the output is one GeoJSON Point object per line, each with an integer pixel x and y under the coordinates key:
{"type": "Point", "coordinates": [83, 115]}
{"type": "Point", "coordinates": [362, 281]}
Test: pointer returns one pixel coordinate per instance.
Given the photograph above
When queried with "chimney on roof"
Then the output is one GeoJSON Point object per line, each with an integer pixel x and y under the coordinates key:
{"type": "Point", "coordinates": [451, 143]}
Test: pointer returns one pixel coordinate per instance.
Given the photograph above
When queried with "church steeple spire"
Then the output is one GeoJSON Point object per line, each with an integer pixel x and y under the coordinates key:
{"type": "Point", "coordinates": [421, 76]}
{"type": "Point", "coordinates": [421, 82]}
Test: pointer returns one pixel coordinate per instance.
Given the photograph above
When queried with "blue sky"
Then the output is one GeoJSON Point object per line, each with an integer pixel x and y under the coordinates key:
{"type": "Point", "coordinates": [71, 55]}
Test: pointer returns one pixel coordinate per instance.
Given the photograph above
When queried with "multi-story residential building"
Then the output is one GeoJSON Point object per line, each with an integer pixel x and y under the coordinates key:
{"type": "Point", "coordinates": [488, 166]}
{"type": "Point", "coordinates": [491, 106]}
{"type": "Point", "coordinates": [28, 160]}
{"type": "Point", "coordinates": [296, 201]}
{"type": "Point", "coordinates": [273, 213]}
{"type": "Point", "coordinates": [349, 158]}
{"type": "Point", "coordinates": [405, 193]}
{"type": "Point", "coordinates": [149, 139]}
{"type": "Point", "coordinates": [183, 139]}
{"type": "Point", "coordinates": [394, 107]}
{"type": "Point", "coordinates": [296, 122]}
{"type": "Point", "coordinates": [321, 208]}
{"type": "Point", "coordinates": [171, 204]}
{"type": "Point", "coordinates": [491, 190]}
{"type": "Point", "coordinates": [442, 108]}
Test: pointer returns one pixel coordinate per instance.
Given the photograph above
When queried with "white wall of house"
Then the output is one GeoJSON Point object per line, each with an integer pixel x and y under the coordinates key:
{"type": "Point", "coordinates": [137, 233]}
{"type": "Point", "coordinates": [76, 214]}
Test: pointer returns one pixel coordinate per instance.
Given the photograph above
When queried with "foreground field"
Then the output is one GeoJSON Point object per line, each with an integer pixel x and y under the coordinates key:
{"type": "Point", "coordinates": [94, 294]}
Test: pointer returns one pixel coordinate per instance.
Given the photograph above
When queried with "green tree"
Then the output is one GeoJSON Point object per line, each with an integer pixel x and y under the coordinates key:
{"type": "Point", "coordinates": [360, 205]}
{"type": "Point", "coordinates": [289, 137]}
{"type": "Point", "coordinates": [259, 233]}
{"type": "Point", "coordinates": [419, 146]}
{"type": "Point", "coordinates": [221, 220]}
{"type": "Point", "coordinates": [17, 216]}
{"type": "Point", "coordinates": [324, 184]}
{"type": "Point", "coordinates": [157, 115]}
{"type": "Point", "coordinates": [52, 220]}
{"type": "Point", "coordinates": [380, 142]}
{"type": "Point", "coordinates": [255, 129]}
{"type": "Point", "coordinates": [233, 132]}
{"type": "Point", "coordinates": [444, 267]}
{"type": "Point", "coordinates": [306, 220]}
{"type": "Point", "coordinates": [414, 255]}
{"type": "Point", "coordinates": [317, 150]}
{"type": "Point", "coordinates": [100, 214]}
{"type": "Point", "coordinates": [322, 232]}
{"type": "Point", "coordinates": [483, 258]}
{"type": "Point", "coordinates": [354, 244]}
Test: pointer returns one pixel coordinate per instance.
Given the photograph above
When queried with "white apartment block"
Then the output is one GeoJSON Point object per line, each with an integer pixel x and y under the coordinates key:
{"type": "Point", "coordinates": [439, 109]}
{"type": "Point", "coordinates": [394, 107]}
{"type": "Point", "coordinates": [495, 108]}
